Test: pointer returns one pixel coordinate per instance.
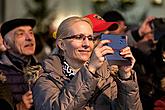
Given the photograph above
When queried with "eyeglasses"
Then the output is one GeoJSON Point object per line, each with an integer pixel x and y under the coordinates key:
{"type": "Point", "coordinates": [81, 37]}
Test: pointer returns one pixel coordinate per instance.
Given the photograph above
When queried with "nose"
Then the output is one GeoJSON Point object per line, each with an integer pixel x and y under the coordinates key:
{"type": "Point", "coordinates": [28, 36]}
{"type": "Point", "coordinates": [86, 42]}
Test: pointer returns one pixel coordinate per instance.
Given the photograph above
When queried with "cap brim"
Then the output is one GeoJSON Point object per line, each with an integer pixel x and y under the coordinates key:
{"type": "Point", "coordinates": [10, 25]}
{"type": "Point", "coordinates": [105, 26]}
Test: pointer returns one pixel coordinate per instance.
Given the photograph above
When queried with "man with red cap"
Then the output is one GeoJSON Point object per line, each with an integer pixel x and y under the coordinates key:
{"type": "Point", "coordinates": [15, 62]}
{"type": "Point", "coordinates": [100, 25]}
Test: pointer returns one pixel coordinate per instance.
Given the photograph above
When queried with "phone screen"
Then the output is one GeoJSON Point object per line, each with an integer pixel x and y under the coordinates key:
{"type": "Point", "coordinates": [118, 42]}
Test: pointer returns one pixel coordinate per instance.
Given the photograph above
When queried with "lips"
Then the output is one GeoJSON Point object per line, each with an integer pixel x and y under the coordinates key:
{"type": "Point", "coordinates": [84, 50]}
{"type": "Point", "coordinates": [29, 45]}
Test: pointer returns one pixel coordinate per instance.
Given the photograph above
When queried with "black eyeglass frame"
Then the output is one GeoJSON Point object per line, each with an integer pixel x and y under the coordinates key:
{"type": "Point", "coordinates": [81, 37]}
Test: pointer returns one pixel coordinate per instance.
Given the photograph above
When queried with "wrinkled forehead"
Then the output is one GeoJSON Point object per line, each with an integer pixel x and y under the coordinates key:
{"type": "Point", "coordinates": [21, 29]}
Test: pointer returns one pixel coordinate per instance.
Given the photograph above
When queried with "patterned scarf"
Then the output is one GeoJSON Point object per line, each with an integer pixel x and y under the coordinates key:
{"type": "Point", "coordinates": [67, 70]}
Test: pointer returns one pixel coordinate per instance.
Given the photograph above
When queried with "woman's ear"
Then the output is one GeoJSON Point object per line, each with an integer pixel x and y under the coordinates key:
{"type": "Point", "coordinates": [61, 44]}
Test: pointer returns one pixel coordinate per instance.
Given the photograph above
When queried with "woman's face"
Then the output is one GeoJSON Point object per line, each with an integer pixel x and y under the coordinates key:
{"type": "Point", "coordinates": [77, 50]}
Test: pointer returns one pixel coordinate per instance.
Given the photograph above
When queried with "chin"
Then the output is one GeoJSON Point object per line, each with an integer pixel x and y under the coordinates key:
{"type": "Point", "coordinates": [85, 59]}
{"type": "Point", "coordinates": [29, 53]}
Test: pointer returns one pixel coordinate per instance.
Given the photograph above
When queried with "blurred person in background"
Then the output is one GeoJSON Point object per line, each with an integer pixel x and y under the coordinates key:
{"type": "Point", "coordinates": [115, 16]}
{"type": "Point", "coordinates": [140, 37]}
{"type": "Point", "coordinates": [157, 59]}
{"type": "Point", "coordinates": [18, 64]}
{"type": "Point", "coordinates": [77, 75]}
{"type": "Point", "coordinates": [144, 36]}
{"type": "Point", "coordinates": [45, 41]}
{"type": "Point", "coordinates": [2, 47]}
{"type": "Point", "coordinates": [143, 46]}
{"type": "Point", "coordinates": [159, 103]}
{"type": "Point", "coordinates": [143, 50]}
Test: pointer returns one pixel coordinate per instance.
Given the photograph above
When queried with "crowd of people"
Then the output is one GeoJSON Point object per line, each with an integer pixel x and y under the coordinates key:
{"type": "Point", "coordinates": [76, 74]}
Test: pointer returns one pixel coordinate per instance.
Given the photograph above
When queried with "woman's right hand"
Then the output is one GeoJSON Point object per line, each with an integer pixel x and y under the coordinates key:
{"type": "Point", "coordinates": [98, 55]}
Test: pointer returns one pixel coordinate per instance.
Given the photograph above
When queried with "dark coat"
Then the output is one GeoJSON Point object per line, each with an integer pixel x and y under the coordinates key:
{"type": "Point", "coordinates": [6, 102]}
{"type": "Point", "coordinates": [16, 85]}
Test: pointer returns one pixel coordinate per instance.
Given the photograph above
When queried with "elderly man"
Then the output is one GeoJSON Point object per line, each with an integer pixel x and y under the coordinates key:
{"type": "Point", "coordinates": [18, 59]}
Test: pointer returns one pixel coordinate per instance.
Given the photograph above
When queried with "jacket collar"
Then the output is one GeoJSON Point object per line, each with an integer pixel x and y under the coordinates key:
{"type": "Point", "coordinates": [15, 61]}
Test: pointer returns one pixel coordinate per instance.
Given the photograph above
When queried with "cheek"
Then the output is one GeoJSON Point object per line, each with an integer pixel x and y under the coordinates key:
{"type": "Point", "coordinates": [163, 54]}
{"type": "Point", "coordinates": [33, 39]}
{"type": "Point", "coordinates": [71, 48]}
{"type": "Point", "coordinates": [19, 45]}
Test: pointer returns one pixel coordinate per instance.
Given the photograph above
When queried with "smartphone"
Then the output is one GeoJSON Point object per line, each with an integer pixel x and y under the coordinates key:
{"type": "Point", "coordinates": [118, 42]}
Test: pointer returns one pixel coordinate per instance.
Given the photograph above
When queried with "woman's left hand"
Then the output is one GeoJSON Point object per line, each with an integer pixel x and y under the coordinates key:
{"type": "Point", "coordinates": [126, 69]}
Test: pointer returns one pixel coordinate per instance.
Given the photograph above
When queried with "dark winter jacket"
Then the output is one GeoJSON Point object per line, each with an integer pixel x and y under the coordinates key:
{"type": "Point", "coordinates": [13, 69]}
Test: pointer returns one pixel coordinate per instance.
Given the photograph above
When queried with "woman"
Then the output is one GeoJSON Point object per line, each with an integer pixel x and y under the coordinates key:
{"type": "Point", "coordinates": [76, 76]}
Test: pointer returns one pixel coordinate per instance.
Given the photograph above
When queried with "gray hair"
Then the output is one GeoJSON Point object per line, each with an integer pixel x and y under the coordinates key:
{"type": "Point", "coordinates": [7, 39]}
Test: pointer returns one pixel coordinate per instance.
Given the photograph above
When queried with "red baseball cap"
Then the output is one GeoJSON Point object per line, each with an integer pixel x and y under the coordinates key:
{"type": "Point", "coordinates": [99, 24]}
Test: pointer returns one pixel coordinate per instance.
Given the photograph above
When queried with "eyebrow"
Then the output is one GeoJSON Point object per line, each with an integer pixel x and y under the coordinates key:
{"type": "Point", "coordinates": [21, 30]}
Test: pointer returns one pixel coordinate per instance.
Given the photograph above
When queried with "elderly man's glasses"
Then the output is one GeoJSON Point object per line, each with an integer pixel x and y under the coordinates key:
{"type": "Point", "coordinates": [81, 37]}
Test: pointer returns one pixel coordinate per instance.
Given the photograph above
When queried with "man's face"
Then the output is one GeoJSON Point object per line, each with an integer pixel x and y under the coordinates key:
{"type": "Point", "coordinates": [120, 30]}
{"type": "Point", "coordinates": [22, 40]}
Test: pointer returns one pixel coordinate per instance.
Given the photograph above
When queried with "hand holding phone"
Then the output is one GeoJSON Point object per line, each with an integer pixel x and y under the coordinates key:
{"type": "Point", "coordinates": [118, 42]}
